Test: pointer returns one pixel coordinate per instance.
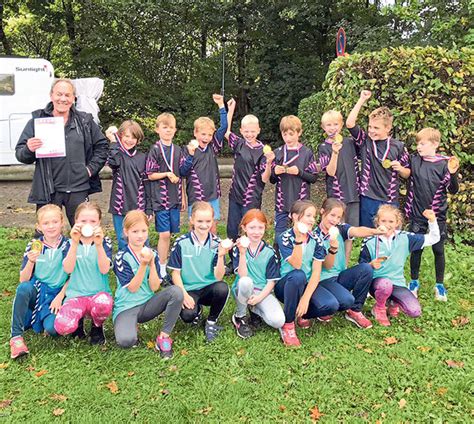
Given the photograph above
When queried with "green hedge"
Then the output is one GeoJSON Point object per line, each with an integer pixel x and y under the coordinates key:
{"type": "Point", "coordinates": [424, 87]}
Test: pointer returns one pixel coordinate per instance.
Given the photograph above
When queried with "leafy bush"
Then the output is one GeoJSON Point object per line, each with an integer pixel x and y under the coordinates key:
{"type": "Point", "coordinates": [424, 87]}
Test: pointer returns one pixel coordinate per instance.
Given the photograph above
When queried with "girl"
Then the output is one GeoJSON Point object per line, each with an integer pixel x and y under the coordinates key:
{"type": "Point", "coordinates": [257, 269]}
{"type": "Point", "coordinates": [303, 254]}
{"type": "Point", "coordinates": [197, 261]}
{"type": "Point", "coordinates": [356, 279]}
{"type": "Point", "coordinates": [387, 255]}
{"type": "Point", "coordinates": [88, 259]}
{"type": "Point", "coordinates": [128, 174]}
{"type": "Point", "coordinates": [40, 292]}
{"type": "Point", "coordinates": [137, 276]}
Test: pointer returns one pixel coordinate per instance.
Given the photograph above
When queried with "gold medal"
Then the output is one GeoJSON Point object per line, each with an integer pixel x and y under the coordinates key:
{"type": "Point", "coordinates": [266, 149]}
{"type": "Point", "coordinates": [386, 163]}
{"type": "Point", "coordinates": [338, 139]}
{"type": "Point", "coordinates": [37, 246]}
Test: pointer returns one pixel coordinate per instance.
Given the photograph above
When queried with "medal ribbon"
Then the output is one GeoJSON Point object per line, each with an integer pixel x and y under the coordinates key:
{"type": "Point", "coordinates": [122, 147]}
{"type": "Point", "coordinates": [286, 162]}
{"type": "Point", "coordinates": [258, 250]}
{"type": "Point", "coordinates": [436, 158]}
{"type": "Point", "coordinates": [135, 256]}
{"type": "Point", "coordinates": [169, 164]}
{"type": "Point", "coordinates": [387, 150]}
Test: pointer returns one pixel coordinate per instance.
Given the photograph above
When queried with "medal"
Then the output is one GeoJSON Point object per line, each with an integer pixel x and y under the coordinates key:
{"type": "Point", "coordinates": [384, 159]}
{"type": "Point", "coordinates": [37, 246]}
{"type": "Point", "coordinates": [386, 163]}
{"type": "Point", "coordinates": [266, 149]}
{"type": "Point", "coordinates": [169, 164]}
{"type": "Point", "coordinates": [338, 139]}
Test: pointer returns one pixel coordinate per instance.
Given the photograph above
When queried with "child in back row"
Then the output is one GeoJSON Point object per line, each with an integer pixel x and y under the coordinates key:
{"type": "Point", "coordinates": [200, 162]}
{"type": "Point", "coordinates": [128, 174]}
{"type": "Point", "coordinates": [252, 169]}
{"type": "Point", "coordinates": [165, 186]}
{"type": "Point", "coordinates": [293, 171]}
{"type": "Point", "coordinates": [197, 264]}
{"type": "Point", "coordinates": [135, 299]}
{"type": "Point", "coordinates": [387, 254]}
{"type": "Point", "coordinates": [432, 176]}
{"type": "Point", "coordinates": [88, 257]}
{"type": "Point", "coordinates": [338, 158]}
{"type": "Point", "coordinates": [383, 160]}
{"type": "Point", "coordinates": [40, 292]}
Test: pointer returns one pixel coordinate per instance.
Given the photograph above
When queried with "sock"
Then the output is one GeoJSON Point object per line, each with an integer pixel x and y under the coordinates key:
{"type": "Point", "coordinates": [162, 269]}
{"type": "Point", "coordinates": [211, 322]}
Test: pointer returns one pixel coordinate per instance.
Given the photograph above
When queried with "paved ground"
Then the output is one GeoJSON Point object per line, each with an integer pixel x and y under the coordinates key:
{"type": "Point", "coordinates": [16, 212]}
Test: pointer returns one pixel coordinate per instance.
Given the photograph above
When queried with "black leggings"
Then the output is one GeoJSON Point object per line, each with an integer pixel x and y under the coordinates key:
{"type": "Point", "coordinates": [214, 295]}
{"type": "Point", "coordinates": [415, 261]}
{"type": "Point", "coordinates": [70, 201]}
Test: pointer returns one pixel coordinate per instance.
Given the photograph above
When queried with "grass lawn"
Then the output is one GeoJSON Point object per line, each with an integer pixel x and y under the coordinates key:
{"type": "Point", "coordinates": [414, 371]}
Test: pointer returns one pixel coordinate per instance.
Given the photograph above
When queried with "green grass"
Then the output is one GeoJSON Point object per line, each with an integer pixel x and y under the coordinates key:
{"type": "Point", "coordinates": [350, 374]}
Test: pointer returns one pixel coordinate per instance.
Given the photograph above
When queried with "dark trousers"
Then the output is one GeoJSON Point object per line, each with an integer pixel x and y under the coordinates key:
{"type": "Point", "coordinates": [328, 298]}
{"type": "Point", "coordinates": [214, 295]}
{"type": "Point", "coordinates": [70, 201]}
{"type": "Point", "coordinates": [234, 217]}
{"type": "Point", "coordinates": [368, 210]}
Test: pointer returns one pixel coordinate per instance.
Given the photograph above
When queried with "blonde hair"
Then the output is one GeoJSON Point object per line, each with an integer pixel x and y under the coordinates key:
{"type": "Point", "coordinates": [331, 115]}
{"type": "Point", "coordinates": [249, 120]}
{"type": "Point", "coordinates": [204, 122]}
{"type": "Point", "coordinates": [48, 208]}
{"type": "Point", "coordinates": [134, 217]}
{"type": "Point", "coordinates": [431, 134]}
{"type": "Point", "coordinates": [384, 114]}
{"type": "Point", "coordinates": [88, 205]}
{"type": "Point", "coordinates": [201, 206]}
{"type": "Point", "coordinates": [134, 128]}
{"type": "Point", "coordinates": [165, 118]}
{"type": "Point", "coordinates": [389, 209]}
{"type": "Point", "coordinates": [67, 81]}
{"type": "Point", "coordinates": [290, 122]}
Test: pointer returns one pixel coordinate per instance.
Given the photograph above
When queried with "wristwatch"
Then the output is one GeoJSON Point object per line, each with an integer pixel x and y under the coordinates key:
{"type": "Point", "coordinates": [332, 251]}
{"type": "Point", "coordinates": [297, 243]}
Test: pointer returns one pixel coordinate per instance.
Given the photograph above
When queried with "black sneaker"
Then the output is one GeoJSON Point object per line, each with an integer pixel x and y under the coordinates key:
{"type": "Point", "coordinates": [166, 281]}
{"type": "Point", "coordinates": [243, 329]}
{"type": "Point", "coordinates": [97, 335]}
{"type": "Point", "coordinates": [255, 320]}
{"type": "Point", "coordinates": [229, 269]}
{"type": "Point", "coordinates": [211, 331]}
{"type": "Point", "coordinates": [196, 321]}
{"type": "Point", "coordinates": [80, 333]}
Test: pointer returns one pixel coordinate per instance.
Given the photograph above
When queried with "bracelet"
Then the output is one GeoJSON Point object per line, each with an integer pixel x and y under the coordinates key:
{"type": "Point", "coordinates": [297, 243]}
{"type": "Point", "coordinates": [332, 251]}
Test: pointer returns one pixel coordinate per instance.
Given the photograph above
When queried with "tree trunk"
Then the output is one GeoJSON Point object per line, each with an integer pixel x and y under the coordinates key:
{"type": "Point", "coordinates": [241, 60]}
{"type": "Point", "coordinates": [71, 29]}
{"type": "Point", "coordinates": [5, 43]}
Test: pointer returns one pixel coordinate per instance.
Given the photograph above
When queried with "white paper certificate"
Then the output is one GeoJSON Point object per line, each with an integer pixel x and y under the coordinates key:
{"type": "Point", "coordinates": [51, 133]}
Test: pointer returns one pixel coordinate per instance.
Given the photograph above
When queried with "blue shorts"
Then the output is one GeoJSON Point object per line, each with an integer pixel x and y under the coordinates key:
{"type": "Point", "coordinates": [167, 220]}
{"type": "Point", "coordinates": [368, 210]}
{"type": "Point", "coordinates": [215, 206]}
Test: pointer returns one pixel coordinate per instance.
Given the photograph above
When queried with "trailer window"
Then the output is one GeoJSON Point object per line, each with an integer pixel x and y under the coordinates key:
{"type": "Point", "coordinates": [7, 84]}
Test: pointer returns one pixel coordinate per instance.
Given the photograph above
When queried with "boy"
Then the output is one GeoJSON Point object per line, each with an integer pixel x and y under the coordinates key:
{"type": "Point", "coordinates": [432, 176]}
{"type": "Point", "coordinates": [164, 186]}
{"type": "Point", "coordinates": [293, 170]}
{"type": "Point", "coordinates": [252, 169]}
{"type": "Point", "coordinates": [338, 158]}
{"type": "Point", "coordinates": [383, 159]}
{"type": "Point", "coordinates": [199, 163]}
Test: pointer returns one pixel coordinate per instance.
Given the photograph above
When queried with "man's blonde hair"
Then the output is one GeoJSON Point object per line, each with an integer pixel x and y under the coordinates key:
{"type": "Point", "coordinates": [204, 122]}
{"type": "Point", "coordinates": [165, 118]}
{"type": "Point", "coordinates": [67, 81]}
{"type": "Point", "coordinates": [384, 114]}
{"type": "Point", "coordinates": [290, 122]}
{"type": "Point", "coordinates": [430, 134]}
{"type": "Point", "coordinates": [332, 115]}
{"type": "Point", "coordinates": [249, 120]}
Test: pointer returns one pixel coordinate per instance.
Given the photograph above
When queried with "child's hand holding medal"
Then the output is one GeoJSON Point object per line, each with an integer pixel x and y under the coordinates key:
{"type": "Point", "coordinates": [429, 215]}
{"type": "Point", "coordinates": [453, 164]}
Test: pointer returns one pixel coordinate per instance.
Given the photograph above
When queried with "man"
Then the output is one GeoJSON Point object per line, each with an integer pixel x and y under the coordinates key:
{"type": "Point", "coordinates": [65, 181]}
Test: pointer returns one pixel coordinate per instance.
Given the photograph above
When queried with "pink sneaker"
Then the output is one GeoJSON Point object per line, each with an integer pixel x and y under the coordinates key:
{"type": "Point", "coordinates": [303, 323]}
{"type": "Point", "coordinates": [288, 334]}
{"type": "Point", "coordinates": [358, 318]}
{"type": "Point", "coordinates": [325, 318]}
{"type": "Point", "coordinates": [380, 315]}
{"type": "Point", "coordinates": [393, 309]}
{"type": "Point", "coordinates": [18, 347]}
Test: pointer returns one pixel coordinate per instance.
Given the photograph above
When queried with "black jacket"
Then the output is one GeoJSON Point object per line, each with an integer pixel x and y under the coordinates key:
{"type": "Point", "coordinates": [95, 147]}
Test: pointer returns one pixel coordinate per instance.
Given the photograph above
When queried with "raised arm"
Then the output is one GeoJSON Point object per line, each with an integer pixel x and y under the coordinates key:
{"type": "Point", "coordinates": [352, 117]}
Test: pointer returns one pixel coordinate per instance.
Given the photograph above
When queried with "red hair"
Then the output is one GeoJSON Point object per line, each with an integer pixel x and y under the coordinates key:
{"type": "Point", "coordinates": [254, 214]}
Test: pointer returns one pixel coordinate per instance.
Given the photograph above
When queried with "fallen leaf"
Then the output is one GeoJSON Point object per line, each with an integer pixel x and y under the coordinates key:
{"type": "Point", "coordinates": [60, 398]}
{"type": "Point", "coordinates": [150, 344]}
{"type": "Point", "coordinates": [424, 348]}
{"type": "Point", "coordinates": [30, 368]}
{"type": "Point", "coordinates": [282, 408]}
{"type": "Point", "coordinates": [184, 352]}
{"type": "Point", "coordinates": [402, 403]}
{"type": "Point", "coordinates": [442, 391]}
{"type": "Point", "coordinates": [368, 350]}
{"type": "Point", "coordinates": [205, 411]}
{"type": "Point", "coordinates": [112, 386]}
{"type": "Point", "coordinates": [130, 373]}
{"type": "Point", "coordinates": [408, 390]}
{"type": "Point", "coordinates": [164, 392]}
{"type": "Point", "coordinates": [460, 321]}
{"type": "Point", "coordinates": [418, 330]}
{"type": "Point", "coordinates": [390, 340]}
{"type": "Point", "coordinates": [359, 346]}
{"type": "Point", "coordinates": [454, 364]}
{"type": "Point", "coordinates": [58, 412]}
{"type": "Point", "coordinates": [4, 365]}
{"type": "Point", "coordinates": [315, 414]}
{"type": "Point", "coordinates": [40, 373]}
{"type": "Point", "coordinates": [6, 293]}
{"type": "Point", "coordinates": [5, 403]}
{"type": "Point", "coordinates": [173, 368]}
{"type": "Point", "coordinates": [241, 352]}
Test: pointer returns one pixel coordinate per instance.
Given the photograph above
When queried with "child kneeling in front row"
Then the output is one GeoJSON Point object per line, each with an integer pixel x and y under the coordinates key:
{"type": "Point", "coordinates": [197, 264]}
{"type": "Point", "coordinates": [136, 302]}
{"type": "Point", "coordinates": [387, 254]}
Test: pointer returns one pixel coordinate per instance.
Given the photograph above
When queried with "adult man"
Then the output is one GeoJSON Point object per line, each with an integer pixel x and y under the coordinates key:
{"type": "Point", "coordinates": [65, 181]}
